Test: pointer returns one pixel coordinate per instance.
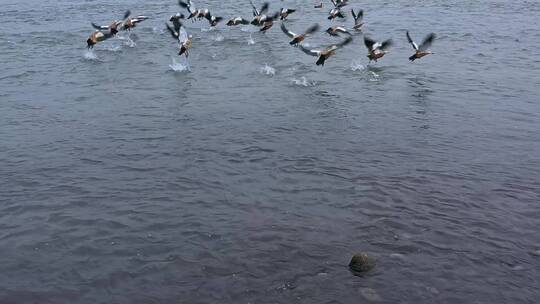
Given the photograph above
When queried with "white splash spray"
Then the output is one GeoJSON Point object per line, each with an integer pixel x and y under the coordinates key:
{"type": "Point", "coordinates": [303, 82]}
{"type": "Point", "coordinates": [90, 55]}
{"type": "Point", "coordinates": [250, 40]}
{"type": "Point", "coordinates": [268, 70]}
{"type": "Point", "coordinates": [179, 66]}
{"type": "Point", "coordinates": [356, 65]}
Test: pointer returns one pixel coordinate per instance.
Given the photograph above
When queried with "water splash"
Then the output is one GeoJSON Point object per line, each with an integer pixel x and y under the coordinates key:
{"type": "Point", "coordinates": [218, 38]}
{"type": "Point", "coordinates": [356, 65]}
{"type": "Point", "coordinates": [373, 76]}
{"type": "Point", "coordinates": [268, 70]}
{"type": "Point", "coordinates": [179, 66]}
{"type": "Point", "coordinates": [303, 82]}
{"type": "Point", "coordinates": [250, 40]}
{"type": "Point", "coordinates": [128, 41]}
{"type": "Point", "coordinates": [90, 55]}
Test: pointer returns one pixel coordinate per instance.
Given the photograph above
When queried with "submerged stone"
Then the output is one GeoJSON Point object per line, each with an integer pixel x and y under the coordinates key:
{"type": "Point", "coordinates": [361, 263]}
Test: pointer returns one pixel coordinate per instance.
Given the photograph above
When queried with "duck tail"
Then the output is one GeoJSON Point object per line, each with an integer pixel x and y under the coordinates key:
{"type": "Point", "coordinates": [412, 58]}
{"type": "Point", "coordinates": [321, 61]}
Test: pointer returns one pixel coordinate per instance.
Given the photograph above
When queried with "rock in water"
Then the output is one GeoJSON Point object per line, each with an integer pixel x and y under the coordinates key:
{"type": "Point", "coordinates": [361, 263]}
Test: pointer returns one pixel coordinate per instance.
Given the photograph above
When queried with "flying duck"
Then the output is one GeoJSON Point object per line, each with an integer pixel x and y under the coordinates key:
{"type": "Point", "coordinates": [285, 12]}
{"type": "Point", "coordinates": [184, 42]}
{"type": "Point", "coordinates": [113, 26]}
{"type": "Point", "coordinates": [98, 36]}
{"type": "Point", "coordinates": [259, 15]}
{"type": "Point", "coordinates": [131, 22]}
{"type": "Point", "coordinates": [214, 20]}
{"type": "Point", "coordinates": [376, 50]}
{"type": "Point", "coordinates": [236, 21]}
{"type": "Point", "coordinates": [358, 19]}
{"type": "Point", "coordinates": [189, 6]}
{"type": "Point", "coordinates": [339, 3]}
{"type": "Point", "coordinates": [177, 20]}
{"type": "Point", "coordinates": [193, 13]}
{"type": "Point", "coordinates": [296, 39]}
{"type": "Point", "coordinates": [335, 13]}
{"type": "Point", "coordinates": [336, 30]}
{"type": "Point", "coordinates": [327, 52]}
{"type": "Point", "coordinates": [268, 22]}
{"type": "Point", "coordinates": [422, 49]}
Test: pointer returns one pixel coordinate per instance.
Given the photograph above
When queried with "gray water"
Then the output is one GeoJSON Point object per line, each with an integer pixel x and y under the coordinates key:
{"type": "Point", "coordinates": [254, 176]}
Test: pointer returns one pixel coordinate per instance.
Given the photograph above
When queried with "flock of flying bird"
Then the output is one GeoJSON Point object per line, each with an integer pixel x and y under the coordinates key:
{"type": "Point", "coordinates": [265, 21]}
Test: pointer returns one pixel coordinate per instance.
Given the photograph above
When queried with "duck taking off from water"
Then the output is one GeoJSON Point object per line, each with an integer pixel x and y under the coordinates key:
{"type": "Point", "coordinates": [259, 15]}
{"type": "Point", "coordinates": [131, 22]}
{"type": "Point", "coordinates": [98, 36]}
{"type": "Point", "coordinates": [296, 39]}
{"type": "Point", "coordinates": [358, 23]}
{"type": "Point", "coordinates": [184, 40]}
{"type": "Point", "coordinates": [114, 26]}
{"type": "Point", "coordinates": [422, 49]}
{"type": "Point", "coordinates": [285, 12]}
{"type": "Point", "coordinates": [376, 50]}
{"type": "Point", "coordinates": [237, 21]}
{"type": "Point", "coordinates": [336, 30]}
{"type": "Point", "coordinates": [268, 22]}
{"type": "Point", "coordinates": [177, 20]}
{"type": "Point", "coordinates": [214, 20]}
{"type": "Point", "coordinates": [325, 53]}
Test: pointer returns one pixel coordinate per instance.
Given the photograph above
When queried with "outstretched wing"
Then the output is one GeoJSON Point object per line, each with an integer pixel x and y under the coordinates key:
{"type": "Point", "coordinates": [386, 44]}
{"type": "Point", "coordinates": [426, 44]}
{"type": "Point", "coordinates": [369, 43]}
{"type": "Point", "coordinates": [342, 30]}
{"type": "Point", "coordinates": [311, 52]}
{"type": "Point", "coordinates": [100, 27]}
{"type": "Point", "coordinates": [286, 31]}
{"type": "Point", "coordinates": [342, 43]}
{"type": "Point", "coordinates": [174, 33]}
{"type": "Point", "coordinates": [359, 17]}
{"type": "Point", "coordinates": [312, 29]}
{"type": "Point", "coordinates": [264, 8]}
{"type": "Point", "coordinates": [182, 35]}
{"type": "Point", "coordinates": [127, 14]}
{"type": "Point", "coordinates": [414, 45]}
{"type": "Point", "coordinates": [187, 5]}
{"type": "Point", "coordinates": [290, 11]}
{"type": "Point", "coordinates": [255, 10]}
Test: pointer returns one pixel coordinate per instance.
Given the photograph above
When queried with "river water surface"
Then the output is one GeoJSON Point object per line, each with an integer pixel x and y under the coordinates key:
{"type": "Point", "coordinates": [253, 176]}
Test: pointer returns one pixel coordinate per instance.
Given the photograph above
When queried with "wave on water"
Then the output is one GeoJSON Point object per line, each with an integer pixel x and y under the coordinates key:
{"type": "Point", "coordinates": [111, 48]}
{"type": "Point", "coordinates": [179, 66]}
{"type": "Point", "coordinates": [90, 55]}
{"type": "Point", "coordinates": [303, 82]}
{"type": "Point", "coordinates": [268, 70]}
{"type": "Point", "coordinates": [250, 40]}
{"type": "Point", "coordinates": [210, 29]}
